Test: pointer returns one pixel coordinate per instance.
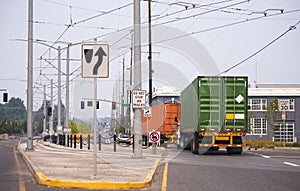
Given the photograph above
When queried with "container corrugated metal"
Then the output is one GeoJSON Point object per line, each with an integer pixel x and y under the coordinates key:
{"type": "Point", "coordinates": [215, 104]}
{"type": "Point", "coordinates": [162, 119]}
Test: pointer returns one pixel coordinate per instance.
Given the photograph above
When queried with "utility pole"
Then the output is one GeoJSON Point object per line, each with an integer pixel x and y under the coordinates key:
{"type": "Point", "coordinates": [59, 93]}
{"type": "Point", "coordinates": [30, 76]}
{"type": "Point", "coordinates": [45, 102]}
{"type": "Point", "coordinates": [150, 53]}
{"type": "Point", "coordinates": [51, 116]}
{"type": "Point", "coordinates": [138, 150]}
{"type": "Point", "coordinates": [67, 90]}
{"type": "Point", "coordinates": [123, 90]}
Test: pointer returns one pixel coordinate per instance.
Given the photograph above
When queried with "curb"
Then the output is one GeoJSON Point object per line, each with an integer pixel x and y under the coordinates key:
{"type": "Point", "coordinates": [146, 183]}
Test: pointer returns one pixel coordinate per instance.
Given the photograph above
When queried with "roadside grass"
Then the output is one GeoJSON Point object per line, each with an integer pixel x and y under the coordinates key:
{"type": "Point", "coordinates": [269, 144]}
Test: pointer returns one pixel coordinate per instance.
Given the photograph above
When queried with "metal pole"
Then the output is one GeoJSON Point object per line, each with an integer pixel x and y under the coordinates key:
{"type": "Point", "coordinates": [51, 116]}
{"type": "Point", "coordinates": [59, 90]}
{"type": "Point", "coordinates": [122, 101]}
{"type": "Point", "coordinates": [30, 76]}
{"type": "Point", "coordinates": [150, 54]}
{"type": "Point", "coordinates": [138, 150]}
{"type": "Point", "coordinates": [45, 102]}
{"type": "Point", "coordinates": [67, 89]}
{"type": "Point", "coordinates": [95, 125]}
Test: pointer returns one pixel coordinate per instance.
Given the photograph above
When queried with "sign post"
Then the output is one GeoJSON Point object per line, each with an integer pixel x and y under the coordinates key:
{"type": "Point", "coordinates": [154, 138]}
{"type": "Point", "coordinates": [284, 106]}
{"type": "Point", "coordinates": [147, 114]}
{"type": "Point", "coordinates": [95, 64]}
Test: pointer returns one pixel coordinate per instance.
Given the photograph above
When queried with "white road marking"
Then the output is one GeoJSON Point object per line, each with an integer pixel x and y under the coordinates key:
{"type": "Point", "coordinates": [291, 164]}
{"type": "Point", "coordinates": [265, 156]}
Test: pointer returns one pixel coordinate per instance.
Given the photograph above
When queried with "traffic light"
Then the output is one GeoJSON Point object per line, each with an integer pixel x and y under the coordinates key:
{"type": "Point", "coordinates": [5, 97]}
{"type": "Point", "coordinates": [113, 105]}
{"type": "Point", "coordinates": [49, 111]}
{"type": "Point", "coordinates": [82, 105]}
{"type": "Point", "coordinates": [97, 104]}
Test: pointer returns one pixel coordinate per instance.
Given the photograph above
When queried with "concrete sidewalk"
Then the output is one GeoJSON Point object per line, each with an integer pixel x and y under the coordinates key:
{"type": "Point", "coordinates": [59, 166]}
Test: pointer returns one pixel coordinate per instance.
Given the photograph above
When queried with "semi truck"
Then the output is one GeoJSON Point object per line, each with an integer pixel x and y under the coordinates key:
{"type": "Point", "coordinates": [213, 114]}
{"type": "Point", "coordinates": [162, 120]}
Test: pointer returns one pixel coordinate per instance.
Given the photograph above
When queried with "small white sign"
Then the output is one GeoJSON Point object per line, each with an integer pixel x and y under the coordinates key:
{"type": "Point", "coordinates": [147, 112]}
{"type": "Point", "coordinates": [154, 137]}
{"type": "Point", "coordinates": [138, 98]}
{"type": "Point", "coordinates": [94, 59]}
{"type": "Point", "coordinates": [67, 130]}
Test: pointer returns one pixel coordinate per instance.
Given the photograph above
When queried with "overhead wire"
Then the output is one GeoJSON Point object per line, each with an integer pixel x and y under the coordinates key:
{"type": "Point", "coordinates": [293, 27]}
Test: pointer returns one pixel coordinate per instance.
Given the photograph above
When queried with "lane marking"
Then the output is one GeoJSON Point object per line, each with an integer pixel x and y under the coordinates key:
{"type": "Point", "coordinates": [165, 178]}
{"type": "Point", "coordinates": [291, 164]}
{"type": "Point", "coordinates": [20, 174]}
{"type": "Point", "coordinates": [265, 156]}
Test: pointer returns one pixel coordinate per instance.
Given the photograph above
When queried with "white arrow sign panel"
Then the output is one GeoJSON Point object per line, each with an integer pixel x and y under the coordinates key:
{"type": "Point", "coordinates": [94, 59]}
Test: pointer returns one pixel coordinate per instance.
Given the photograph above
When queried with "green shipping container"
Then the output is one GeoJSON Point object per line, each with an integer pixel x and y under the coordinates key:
{"type": "Point", "coordinates": [215, 104]}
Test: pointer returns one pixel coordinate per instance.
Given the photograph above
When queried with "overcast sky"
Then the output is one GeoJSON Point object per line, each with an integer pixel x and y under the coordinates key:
{"type": "Point", "coordinates": [230, 32]}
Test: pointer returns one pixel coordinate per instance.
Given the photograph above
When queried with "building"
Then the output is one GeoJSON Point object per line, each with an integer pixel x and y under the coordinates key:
{"type": "Point", "coordinates": [287, 124]}
{"type": "Point", "coordinates": [166, 95]}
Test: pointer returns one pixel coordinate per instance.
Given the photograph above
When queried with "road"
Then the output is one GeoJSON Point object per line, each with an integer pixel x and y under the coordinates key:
{"type": "Point", "coordinates": [253, 170]}
{"type": "Point", "coordinates": [9, 177]}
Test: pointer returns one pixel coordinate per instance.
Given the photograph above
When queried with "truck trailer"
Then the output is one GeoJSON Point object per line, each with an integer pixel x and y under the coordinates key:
{"type": "Point", "coordinates": [162, 120]}
{"type": "Point", "coordinates": [213, 114]}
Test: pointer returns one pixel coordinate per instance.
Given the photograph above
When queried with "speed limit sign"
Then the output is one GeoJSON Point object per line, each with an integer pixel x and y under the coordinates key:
{"type": "Point", "coordinates": [154, 137]}
{"type": "Point", "coordinates": [283, 105]}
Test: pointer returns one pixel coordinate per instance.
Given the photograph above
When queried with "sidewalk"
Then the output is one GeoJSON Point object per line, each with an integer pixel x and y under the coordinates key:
{"type": "Point", "coordinates": [59, 166]}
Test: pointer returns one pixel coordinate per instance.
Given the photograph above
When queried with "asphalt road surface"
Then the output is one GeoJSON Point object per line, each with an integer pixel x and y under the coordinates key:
{"type": "Point", "coordinates": [253, 170]}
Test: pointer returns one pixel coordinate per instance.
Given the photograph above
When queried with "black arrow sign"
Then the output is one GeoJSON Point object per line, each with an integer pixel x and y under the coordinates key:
{"type": "Point", "coordinates": [100, 53]}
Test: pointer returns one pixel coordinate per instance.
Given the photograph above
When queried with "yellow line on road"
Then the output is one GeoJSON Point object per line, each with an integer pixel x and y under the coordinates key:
{"type": "Point", "coordinates": [20, 174]}
{"type": "Point", "coordinates": [165, 178]}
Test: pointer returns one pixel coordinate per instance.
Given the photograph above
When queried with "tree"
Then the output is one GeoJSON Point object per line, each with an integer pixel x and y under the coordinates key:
{"type": "Point", "coordinates": [13, 117]}
{"type": "Point", "coordinates": [272, 115]}
{"type": "Point", "coordinates": [74, 127]}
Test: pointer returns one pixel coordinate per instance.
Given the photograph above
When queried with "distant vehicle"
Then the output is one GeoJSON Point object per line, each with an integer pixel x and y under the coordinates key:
{"type": "Point", "coordinates": [214, 114]}
{"type": "Point", "coordinates": [124, 138]}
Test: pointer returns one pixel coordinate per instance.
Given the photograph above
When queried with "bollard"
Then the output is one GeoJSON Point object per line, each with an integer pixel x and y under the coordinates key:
{"type": "Point", "coordinates": [68, 139]}
{"type": "Point", "coordinates": [99, 142]}
{"type": "Point", "coordinates": [71, 141]}
{"type": "Point", "coordinates": [115, 142]}
{"type": "Point", "coordinates": [89, 142]}
{"type": "Point", "coordinates": [80, 139]}
{"type": "Point", "coordinates": [133, 143]}
{"type": "Point", "coordinates": [75, 141]}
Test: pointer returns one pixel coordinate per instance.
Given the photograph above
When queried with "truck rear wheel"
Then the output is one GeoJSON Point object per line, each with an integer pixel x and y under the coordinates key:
{"type": "Point", "coordinates": [195, 144]}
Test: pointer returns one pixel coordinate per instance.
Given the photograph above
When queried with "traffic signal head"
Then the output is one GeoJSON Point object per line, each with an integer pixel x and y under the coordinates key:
{"type": "Point", "coordinates": [5, 97]}
{"type": "Point", "coordinates": [97, 104]}
{"type": "Point", "coordinates": [49, 111]}
{"type": "Point", "coordinates": [113, 105]}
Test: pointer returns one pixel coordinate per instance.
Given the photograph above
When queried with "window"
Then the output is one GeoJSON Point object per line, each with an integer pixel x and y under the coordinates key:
{"type": "Point", "coordinates": [284, 133]}
{"type": "Point", "coordinates": [257, 104]}
{"type": "Point", "coordinates": [258, 126]}
{"type": "Point", "coordinates": [292, 105]}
